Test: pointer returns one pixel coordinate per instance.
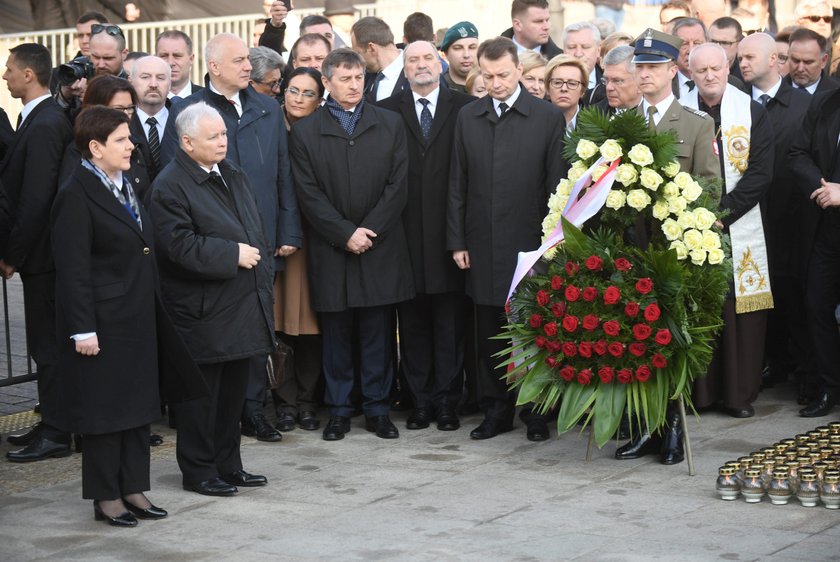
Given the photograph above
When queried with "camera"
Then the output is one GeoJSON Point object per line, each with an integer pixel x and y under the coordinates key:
{"type": "Point", "coordinates": [78, 68]}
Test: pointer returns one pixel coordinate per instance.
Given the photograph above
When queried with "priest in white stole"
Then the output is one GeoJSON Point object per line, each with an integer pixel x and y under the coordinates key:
{"type": "Point", "coordinates": [746, 150]}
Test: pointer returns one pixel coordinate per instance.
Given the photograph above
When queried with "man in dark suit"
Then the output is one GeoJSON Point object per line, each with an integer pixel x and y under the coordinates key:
{"type": "Point", "coordinates": [727, 33]}
{"type": "Point", "coordinates": [507, 160]}
{"type": "Point", "coordinates": [792, 217]}
{"type": "Point", "coordinates": [431, 324]}
{"type": "Point", "coordinates": [622, 91]}
{"type": "Point", "coordinates": [7, 133]}
{"type": "Point", "coordinates": [30, 177]}
{"type": "Point", "coordinates": [372, 38]}
{"type": "Point", "coordinates": [150, 77]}
{"type": "Point", "coordinates": [176, 48]}
{"type": "Point", "coordinates": [257, 143]}
{"type": "Point", "coordinates": [693, 33]}
{"type": "Point", "coordinates": [582, 40]}
{"type": "Point", "coordinates": [814, 163]}
{"type": "Point", "coordinates": [531, 28]}
{"type": "Point", "coordinates": [807, 61]}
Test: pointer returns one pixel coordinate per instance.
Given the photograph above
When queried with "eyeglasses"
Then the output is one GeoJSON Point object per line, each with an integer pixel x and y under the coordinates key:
{"type": "Point", "coordinates": [113, 30]}
{"type": "Point", "coordinates": [273, 85]}
{"type": "Point", "coordinates": [617, 82]}
{"type": "Point", "coordinates": [725, 44]}
{"type": "Point", "coordinates": [781, 58]}
{"type": "Point", "coordinates": [816, 19]}
{"type": "Point", "coordinates": [558, 83]}
{"type": "Point", "coordinates": [127, 109]}
{"type": "Point", "coordinates": [308, 94]}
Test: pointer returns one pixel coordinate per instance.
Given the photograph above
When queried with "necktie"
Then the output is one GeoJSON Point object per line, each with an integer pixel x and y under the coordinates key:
{"type": "Point", "coordinates": [764, 99]}
{"type": "Point", "coordinates": [154, 142]}
{"type": "Point", "coordinates": [690, 84]}
{"type": "Point", "coordinates": [175, 99]}
{"type": "Point", "coordinates": [651, 111]}
{"type": "Point", "coordinates": [425, 118]}
{"type": "Point", "coordinates": [373, 88]}
{"type": "Point", "coordinates": [503, 107]}
{"type": "Point", "coordinates": [19, 121]}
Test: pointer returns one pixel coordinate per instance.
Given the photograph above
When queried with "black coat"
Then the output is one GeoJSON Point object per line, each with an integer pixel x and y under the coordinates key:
{"type": "Point", "coordinates": [597, 94]}
{"type": "Point", "coordinates": [222, 311]}
{"type": "Point", "coordinates": [549, 50]}
{"type": "Point", "coordinates": [424, 218]}
{"type": "Point", "coordinates": [141, 145]}
{"type": "Point", "coordinates": [826, 84]}
{"type": "Point", "coordinates": [106, 282]}
{"type": "Point", "coordinates": [503, 172]}
{"type": "Point", "coordinates": [7, 134]}
{"type": "Point", "coordinates": [30, 178]}
{"type": "Point", "coordinates": [345, 182]}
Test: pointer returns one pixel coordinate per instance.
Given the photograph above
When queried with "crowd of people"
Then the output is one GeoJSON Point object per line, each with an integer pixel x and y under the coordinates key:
{"type": "Point", "coordinates": [337, 225]}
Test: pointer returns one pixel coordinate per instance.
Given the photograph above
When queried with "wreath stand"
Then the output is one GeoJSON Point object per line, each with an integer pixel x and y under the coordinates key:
{"type": "Point", "coordinates": [686, 441]}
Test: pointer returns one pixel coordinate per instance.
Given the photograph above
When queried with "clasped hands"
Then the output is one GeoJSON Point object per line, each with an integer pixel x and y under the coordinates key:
{"type": "Point", "coordinates": [361, 241]}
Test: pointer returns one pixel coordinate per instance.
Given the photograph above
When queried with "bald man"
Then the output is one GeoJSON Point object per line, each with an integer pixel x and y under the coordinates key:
{"type": "Point", "coordinates": [151, 78]}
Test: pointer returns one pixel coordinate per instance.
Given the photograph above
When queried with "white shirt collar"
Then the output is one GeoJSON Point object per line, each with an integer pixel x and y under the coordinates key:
{"type": "Point", "coordinates": [813, 87]}
{"type": "Point", "coordinates": [593, 80]}
{"type": "Point", "coordinates": [510, 101]}
{"type": "Point", "coordinates": [661, 107]}
{"type": "Point", "coordinates": [393, 70]}
{"type": "Point", "coordinates": [570, 126]}
{"type": "Point", "coordinates": [27, 109]}
{"type": "Point", "coordinates": [185, 92]}
{"type": "Point", "coordinates": [215, 168]}
{"type": "Point", "coordinates": [757, 93]}
{"type": "Point", "coordinates": [432, 97]}
{"type": "Point", "coordinates": [161, 116]}
{"type": "Point", "coordinates": [521, 49]}
{"type": "Point", "coordinates": [237, 103]}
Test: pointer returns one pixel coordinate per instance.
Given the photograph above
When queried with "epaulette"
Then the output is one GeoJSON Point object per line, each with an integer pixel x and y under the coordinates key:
{"type": "Point", "coordinates": [696, 111]}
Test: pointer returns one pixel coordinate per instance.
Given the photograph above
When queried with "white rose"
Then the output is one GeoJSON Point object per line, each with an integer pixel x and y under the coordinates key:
{"type": "Point", "coordinates": [575, 174]}
{"type": "Point", "coordinates": [611, 150]}
{"type": "Point", "coordinates": [640, 155]}
{"type": "Point", "coordinates": [692, 191]}
{"type": "Point", "coordinates": [670, 190]}
{"type": "Point", "coordinates": [698, 256]}
{"type": "Point", "coordinates": [672, 169]}
{"type": "Point", "coordinates": [626, 174]}
{"type": "Point", "coordinates": [686, 220]}
{"type": "Point", "coordinates": [671, 229]}
{"type": "Point", "coordinates": [677, 204]}
{"type": "Point", "coordinates": [615, 199]}
{"type": "Point", "coordinates": [598, 172]}
{"type": "Point", "coordinates": [679, 247]}
{"type": "Point", "coordinates": [586, 149]}
{"type": "Point", "coordinates": [693, 239]}
{"type": "Point", "coordinates": [638, 199]}
{"type": "Point", "coordinates": [711, 240]}
{"type": "Point", "coordinates": [549, 223]}
{"type": "Point", "coordinates": [682, 180]}
{"type": "Point", "coordinates": [650, 179]}
{"type": "Point", "coordinates": [564, 187]}
{"type": "Point", "coordinates": [704, 218]}
{"type": "Point", "coordinates": [660, 210]}
{"type": "Point", "coordinates": [554, 202]}
{"type": "Point", "coordinates": [715, 256]}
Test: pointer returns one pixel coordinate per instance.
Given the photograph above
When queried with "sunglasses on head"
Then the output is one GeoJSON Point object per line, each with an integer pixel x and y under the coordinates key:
{"type": "Point", "coordinates": [107, 28]}
{"type": "Point", "coordinates": [816, 19]}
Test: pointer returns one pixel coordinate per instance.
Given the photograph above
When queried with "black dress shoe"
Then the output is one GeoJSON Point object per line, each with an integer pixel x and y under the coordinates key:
{"type": "Point", "coordinates": [151, 512]}
{"type": "Point", "coordinates": [37, 408]}
{"type": "Point", "coordinates": [382, 426]}
{"type": "Point", "coordinates": [490, 428]}
{"type": "Point", "coordinates": [214, 487]}
{"type": "Point", "coordinates": [447, 420]}
{"type": "Point", "coordinates": [41, 448]}
{"type": "Point", "coordinates": [820, 407]}
{"type": "Point", "coordinates": [155, 440]}
{"type": "Point", "coordinates": [336, 428]}
{"type": "Point", "coordinates": [244, 479]}
{"type": "Point", "coordinates": [257, 426]}
{"type": "Point", "coordinates": [537, 430]}
{"type": "Point", "coordinates": [419, 418]}
{"type": "Point", "coordinates": [672, 440]}
{"type": "Point", "coordinates": [285, 421]}
{"type": "Point", "coordinates": [307, 420]}
{"type": "Point", "coordinates": [124, 520]}
{"type": "Point", "coordinates": [642, 444]}
{"type": "Point", "coordinates": [745, 412]}
{"type": "Point", "coordinates": [25, 438]}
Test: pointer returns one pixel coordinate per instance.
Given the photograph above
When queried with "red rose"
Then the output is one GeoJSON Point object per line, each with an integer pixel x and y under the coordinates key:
{"type": "Point", "coordinates": [606, 374]}
{"type": "Point", "coordinates": [652, 312]}
{"type": "Point", "coordinates": [624, 376]}
{"type": "Point", "coordinates": [622, 264]}
{"type": "Point", "coordinates": [572, 293]}
{"type": "Point", "coordinates": [631, 309]}
{"type": "Point", "coordinates": [637, 349]}
{"type": "Point", "coordinates": [611, 328]}
{"type": "Point", "coordinates": [569, 349]}
{"type": "Point", "coordinates": [641, 331]}
{"type": "Point", "coordinates": [590, 294]}
{"type": "Point", "coordinates": [584, 377]}
{"type": "Point", "coordinates": [540, 341]}
{"type": "Point", "coordinates": [570, 323]}
{"type": "Point", "coordinates": [663, 336]}
{"type": "Point", "coordinates": [553, 346]}
{"type": "Point", "coordinates": [551, 361]}
{"type": "Point", "coordinates": [550, 329]}
{"type": "Point", "coordinates": [572, 268]}
{"type": "Point", "coordinates": [556, 283]}
{"type": "Point", "coordinates": [643, 373]}
{"type": "Point", "coordinates": [558, 309]}
{"type": "Point", "coordinates": [585, 349]}
{"type": "Point", "coordinates": [612, 295]}
{"type": "Point", "coordinates": [600, 347]}
{"type": "Point", "coordinates": [659, 361]}
{"type": "Point", "coordinates": [616, 349]}
{"type": "Point", "coordinates": [567, 373]}
{"type": "Point", "coordinates": [644, 285]}
{"type": "Point", "coordinates": [590, 322]}
{"type": "Point", "coordinates": [543, 298]}
{"type": "Point", "coordinates": [594, 263]}
{"type": "Point", "coordinates": [536, 320]}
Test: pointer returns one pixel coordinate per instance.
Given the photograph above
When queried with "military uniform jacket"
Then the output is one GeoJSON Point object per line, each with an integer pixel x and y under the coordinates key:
{"type": "Point", "coordinates": [695, 139]}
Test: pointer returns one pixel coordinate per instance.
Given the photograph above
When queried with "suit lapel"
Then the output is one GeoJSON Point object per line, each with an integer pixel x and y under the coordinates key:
{"type": "Point", "coordinates": [103, 197]}
{"type": "Point", "coordinates": [410, 116]}
{"type": "Point", "coordinates": [22, 132]}
{"type": "Point", "coordinates": [444, 107]}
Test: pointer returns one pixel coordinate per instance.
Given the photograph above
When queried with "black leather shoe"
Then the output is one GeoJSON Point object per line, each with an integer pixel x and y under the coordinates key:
{"type": "Point", "coordinates": [25, 438]}
{"type": "Point", "coordinates": [214, 487]}
{"type": "Point", "coordinates": [307, 420]}
{"type": "Point", "coordinates": [151, 512]}
{"type": "Point", "coordinates": [285, 421]}
{"type": "Point", "coordinates": [672, 440]}
{"type": "Point", "coordinates": [745, 412]}
{"type": "Point", "coordinates": [336, 428]}
{"type": "Point", "coordinates": [257, 426]}
{"type": "Point", "coordinates": [41, 448]}
{"type": "Point", "coordinates": [382, 426]}
{"type": "Point", "coordinates": [820, 407]}
{"type": "Point", "coordinates": [490, 428]}
{"type": "Point", "coordinates": [155, 440]}
{"type": "Point", "coordinates": [419, 418]}
{"type": "Point", "coordinates": [537, 430]}
{"type": "Point", "coordinates": [244, 479]}
{"type": "Point", "coordinates": [124, 520]}
{"type": "Point", "coordinates": [447, 420]}
{"type": "Point", "coordinates": [642, 444]}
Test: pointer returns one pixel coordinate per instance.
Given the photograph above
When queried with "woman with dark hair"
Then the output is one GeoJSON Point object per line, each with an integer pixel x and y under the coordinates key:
{"type": "Point", "coordinates": [106, 319]}
{"type": "Point", "coordinates": [294, 318]}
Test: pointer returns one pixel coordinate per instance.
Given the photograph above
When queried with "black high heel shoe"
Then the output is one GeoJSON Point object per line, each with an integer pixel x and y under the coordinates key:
{"type": "Point", "coordinates": [151, 512]}
{"type": "Point", "coordinates": [124, 520]}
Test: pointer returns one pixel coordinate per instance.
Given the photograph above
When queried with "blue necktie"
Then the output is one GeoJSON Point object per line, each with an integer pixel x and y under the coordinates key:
{"type": "Point", "coordinates": [425, 119]}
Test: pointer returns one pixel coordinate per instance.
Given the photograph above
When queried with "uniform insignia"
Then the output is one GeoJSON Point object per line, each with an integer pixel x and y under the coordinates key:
{"type": "Point", "coordinates": [462, 31]}
{"type": "Point", "coordinates": [738, 147]}
{"type": "Point", "coordinates": [648, 39]}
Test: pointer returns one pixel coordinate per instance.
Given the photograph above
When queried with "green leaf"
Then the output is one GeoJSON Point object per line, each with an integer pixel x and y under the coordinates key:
{"type": "Point", "coordinates": [576, 242]}
{"type": "Point", "coordinates": [576, 400]}
{"type": "Point", "coordinates": [609, 407]}
{"type": "Point", "coordinates": [534, 383]}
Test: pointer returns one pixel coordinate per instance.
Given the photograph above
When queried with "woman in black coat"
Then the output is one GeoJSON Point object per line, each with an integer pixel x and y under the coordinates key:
{"type": "Point", "coordinates": [106, 319]}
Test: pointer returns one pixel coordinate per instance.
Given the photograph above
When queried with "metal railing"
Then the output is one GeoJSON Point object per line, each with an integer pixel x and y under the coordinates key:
{"type": "Point", "coordinates": [17, 360]}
